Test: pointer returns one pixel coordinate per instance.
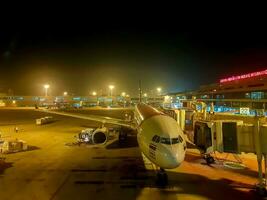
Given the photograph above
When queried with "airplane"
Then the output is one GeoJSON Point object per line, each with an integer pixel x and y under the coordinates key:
{"type": "Point", "coordinates": [159, 136]}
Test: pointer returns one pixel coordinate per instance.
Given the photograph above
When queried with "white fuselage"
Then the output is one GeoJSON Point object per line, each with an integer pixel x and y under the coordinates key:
{"type": "Point", "coordinates": [160, 137]}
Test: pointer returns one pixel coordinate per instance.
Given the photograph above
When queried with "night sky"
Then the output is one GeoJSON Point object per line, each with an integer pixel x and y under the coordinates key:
{"type": "Point", "coordinates": [80, 56]}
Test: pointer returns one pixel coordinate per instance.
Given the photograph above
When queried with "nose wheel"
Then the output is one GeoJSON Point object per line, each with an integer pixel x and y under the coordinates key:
{"type": "Point", "coordinates": [162, 178]}
{"type": "Point", "coordinates": [122, 136]}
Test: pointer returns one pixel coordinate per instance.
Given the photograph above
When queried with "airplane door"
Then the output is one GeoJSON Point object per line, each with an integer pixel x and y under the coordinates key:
{"type": "Point", "coordinates": [229, 130]}
{"type": "Point", "coordinates": [202, 136]}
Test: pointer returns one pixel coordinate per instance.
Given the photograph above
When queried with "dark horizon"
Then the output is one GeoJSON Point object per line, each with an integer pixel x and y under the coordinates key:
{"type": "Point", "coordinates": [82, 59]}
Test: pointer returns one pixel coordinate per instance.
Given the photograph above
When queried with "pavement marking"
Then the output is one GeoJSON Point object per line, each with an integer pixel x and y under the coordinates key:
{"type": "Point", "coordinates": [90, 182]}
{"type": "Point", "coordinates": [116, 157]}
{"type": "Point", "coordinates": [60, 187]}
{"type": "Point", "coordinates": [89, 170]}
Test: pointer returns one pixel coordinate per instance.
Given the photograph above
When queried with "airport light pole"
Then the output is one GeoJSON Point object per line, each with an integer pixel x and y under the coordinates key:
{"type": "Point", "coordinates": [123, 94]}
{"type": "Point", "coordinates": [155, 95]}
{"type": "Point", "coordinates": [145, 96]}
{"type": "Point", "coordinates": [111, 87]}
{"type": "Point", "coordinates": [46, 86]}
{"type": "Point", "coordinates": [159, 90]}
{"type": "Point", "coordinates": [94, 93]}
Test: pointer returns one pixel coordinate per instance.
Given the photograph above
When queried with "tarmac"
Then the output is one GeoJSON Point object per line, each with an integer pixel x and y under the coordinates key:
{"type": "Point", "coordinates": [56, 168]}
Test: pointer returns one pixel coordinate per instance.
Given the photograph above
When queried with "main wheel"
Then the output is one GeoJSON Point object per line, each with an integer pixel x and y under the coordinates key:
{"type": "Point", "coordinates": [122, 136]}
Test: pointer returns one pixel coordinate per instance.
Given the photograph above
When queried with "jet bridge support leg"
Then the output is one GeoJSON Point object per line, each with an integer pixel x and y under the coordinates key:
{"type": "Point", "coordinates": [208, 158]}
{"type": "Point", "coordinates": [261, 186]}
{"type": "Point", "coordinates": [265, 168]}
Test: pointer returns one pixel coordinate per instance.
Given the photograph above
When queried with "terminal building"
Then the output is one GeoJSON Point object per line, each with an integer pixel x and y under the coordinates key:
{"type": "Point", "coordinates": [245, 92]}
{"type": "Point", "coordinates": [73, 101]}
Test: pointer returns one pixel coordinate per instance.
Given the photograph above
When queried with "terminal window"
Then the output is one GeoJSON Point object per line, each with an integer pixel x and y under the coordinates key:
{"type": "Point", "coordinates": [257, 95]}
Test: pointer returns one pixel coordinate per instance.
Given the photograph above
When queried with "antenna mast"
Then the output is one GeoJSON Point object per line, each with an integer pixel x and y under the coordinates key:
{"type": "Point", "coordinates": [140, 92]}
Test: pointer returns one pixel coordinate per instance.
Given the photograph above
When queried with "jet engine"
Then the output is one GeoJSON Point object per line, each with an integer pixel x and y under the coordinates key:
{"type": "Point", "coordinates": [94, 136]}
{"type": "Point", "coordinates": [100, 135]}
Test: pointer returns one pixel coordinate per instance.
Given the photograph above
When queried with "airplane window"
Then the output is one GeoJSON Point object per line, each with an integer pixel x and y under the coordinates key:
{"type": "Point", "coordinates": [175, 140]}
{"type": "Point", "coordinates": [165, 140]}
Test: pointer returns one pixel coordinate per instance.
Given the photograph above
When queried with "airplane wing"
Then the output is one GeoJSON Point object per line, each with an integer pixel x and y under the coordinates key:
{"type": "Point", "coordinates": [97, 118]}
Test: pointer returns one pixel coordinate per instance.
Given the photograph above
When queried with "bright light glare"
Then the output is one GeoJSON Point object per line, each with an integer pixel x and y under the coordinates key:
{"type": "Point", "coordinates": [145, 95]}
{"type": "Point", "coordinates": [111, 87]}
{"type": "Point", "coordinates": [46, 86]}
{"type": "Point", "coordinates": [159, 89]}
{"type": "Point", "coordinates": [123, 94]}
{"type": "Point", "coordinates": [166, 98]}
{"type": "Point", "coordinates": [65, 93]}
{"type": "Point", "coordinates": [94, 93]}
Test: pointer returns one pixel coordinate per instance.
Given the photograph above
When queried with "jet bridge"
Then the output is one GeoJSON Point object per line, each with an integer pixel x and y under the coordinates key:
{"type": "Point", "coordinates": [227, 133]}
{"type": "Point", "coordinates": [233, 136]}
{"type": "Point", "coordinates": [223, 136]}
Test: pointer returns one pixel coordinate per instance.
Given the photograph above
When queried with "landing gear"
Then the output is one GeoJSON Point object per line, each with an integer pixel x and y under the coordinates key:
{"type": "Point", "coordinates": [122, 136]}
{"type": "Point", "coordinates": [209, 159]}
{"type": "Point", "coordinates": [162, 178]}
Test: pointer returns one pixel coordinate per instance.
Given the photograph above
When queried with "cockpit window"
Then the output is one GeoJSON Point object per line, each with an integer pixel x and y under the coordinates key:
{"type": "Point", "coordinates": [165, 140]}
{"type": "Point", "coordinates": [171, 140]}
{"type": "Point", "coordinates": [168, 141]}
{"type": "Point", "coordinates": [175, 140]}
{"type": "Point", "coordinates": [156, 139]}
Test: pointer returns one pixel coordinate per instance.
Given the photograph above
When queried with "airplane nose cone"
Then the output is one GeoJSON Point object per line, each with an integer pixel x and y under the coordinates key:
{"type": "Point", "coordinates": [172, 160]}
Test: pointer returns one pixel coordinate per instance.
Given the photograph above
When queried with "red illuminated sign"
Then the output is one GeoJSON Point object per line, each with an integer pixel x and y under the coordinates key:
{"type": "Point", "coordinates": [234, 78]}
